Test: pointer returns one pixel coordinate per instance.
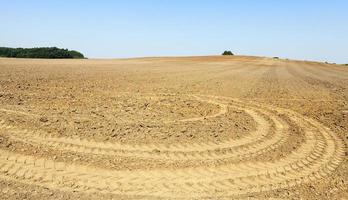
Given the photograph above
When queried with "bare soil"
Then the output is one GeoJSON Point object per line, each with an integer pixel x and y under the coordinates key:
{"type": "Point", "coordinates": [233, 127]}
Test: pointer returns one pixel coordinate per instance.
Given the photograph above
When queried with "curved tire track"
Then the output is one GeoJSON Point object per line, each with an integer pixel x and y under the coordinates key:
{"type": "Point", "coordinates": [258, 142]}
{"type": "Point", "coordinates": [317, 157]}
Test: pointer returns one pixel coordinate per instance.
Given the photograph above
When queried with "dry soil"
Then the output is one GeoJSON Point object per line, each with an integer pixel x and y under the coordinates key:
{"type": "Point", "coordinates": [231, 127]}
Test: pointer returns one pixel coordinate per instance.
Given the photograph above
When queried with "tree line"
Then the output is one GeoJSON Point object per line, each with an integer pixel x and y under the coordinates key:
{"type": "Point", "coordinates": [39, 52]}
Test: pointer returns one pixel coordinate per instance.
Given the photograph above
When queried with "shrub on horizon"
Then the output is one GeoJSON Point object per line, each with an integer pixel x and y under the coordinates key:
{"type": "Point", "coordinates": [227, 53]}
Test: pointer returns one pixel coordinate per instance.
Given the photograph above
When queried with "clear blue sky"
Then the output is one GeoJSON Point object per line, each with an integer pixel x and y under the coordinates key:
{"type": "Point", "coordinates": [312, 30]}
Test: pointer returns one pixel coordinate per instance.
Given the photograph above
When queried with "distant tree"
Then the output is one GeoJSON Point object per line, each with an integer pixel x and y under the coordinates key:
{"type": "Point", "coordinates": [276, 58]}
{"type": "Point", "coordinates": [42, 52]}
{"type": "Point", "coordinates": [227, 53]}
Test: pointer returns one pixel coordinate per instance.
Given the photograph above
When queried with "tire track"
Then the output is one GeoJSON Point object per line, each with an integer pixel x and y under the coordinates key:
{"type": "Point", "coordinates": [318, 157]}
{"type": "Point", "coordinates": [258, 142]}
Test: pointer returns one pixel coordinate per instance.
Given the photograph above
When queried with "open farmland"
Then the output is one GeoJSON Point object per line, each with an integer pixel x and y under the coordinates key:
{"type": "Point", "coordinates": [224, 127]}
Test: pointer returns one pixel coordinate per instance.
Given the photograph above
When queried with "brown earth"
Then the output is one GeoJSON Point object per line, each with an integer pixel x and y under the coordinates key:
{"type": "Point", "coordinates": [173, 128]}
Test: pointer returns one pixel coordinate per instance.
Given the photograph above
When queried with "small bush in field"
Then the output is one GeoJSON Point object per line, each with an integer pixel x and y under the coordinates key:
{"type": "Point", "coordinates": [227, 53]}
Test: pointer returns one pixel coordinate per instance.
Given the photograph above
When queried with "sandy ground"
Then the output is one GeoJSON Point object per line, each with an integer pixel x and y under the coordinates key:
{"type": "Point", "coordinates": [173, 128]}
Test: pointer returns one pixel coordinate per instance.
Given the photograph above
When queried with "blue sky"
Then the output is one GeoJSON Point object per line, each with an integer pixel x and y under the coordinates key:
{"type": "Point", "coordinates": [311, 30]}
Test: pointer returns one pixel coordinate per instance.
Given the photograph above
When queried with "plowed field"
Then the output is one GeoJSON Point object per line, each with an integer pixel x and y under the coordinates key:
{"type": "Point", "coordinates": [173, 128]}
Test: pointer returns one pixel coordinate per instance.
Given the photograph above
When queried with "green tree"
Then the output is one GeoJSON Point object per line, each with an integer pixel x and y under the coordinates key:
{"type": "Point", "coordinates": [42, 52]}
{"type": "Point", "coordinates": [227, 53]}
